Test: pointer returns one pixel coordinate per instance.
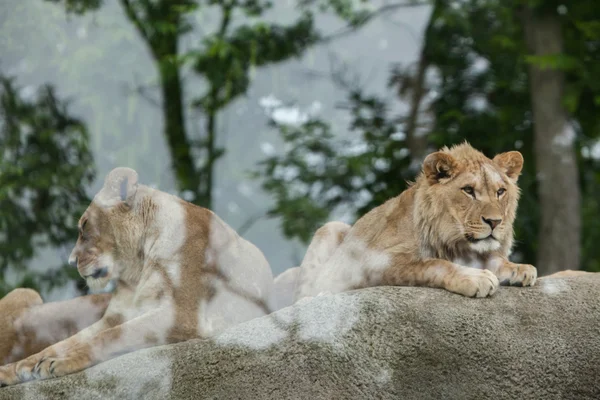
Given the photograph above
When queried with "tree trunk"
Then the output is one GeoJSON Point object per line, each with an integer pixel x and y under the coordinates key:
{"type": "Point", "coordinates": [416, 141]}
{"type": "Point", "coordinates": [207, 171]}
{"type": "Point", "coordinates": [559, 243]}
{"type": "Point", "coordinates": [174, 129]}
{"type": "Point", "coordinates": [145, 16]}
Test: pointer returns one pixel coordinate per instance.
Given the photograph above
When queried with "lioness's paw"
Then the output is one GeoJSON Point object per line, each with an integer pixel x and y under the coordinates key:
{"type": "Point", "coordinates": [52, 367]}
{"type": "Point", "coordinates": [518, 275]}
{"type": "Point", "coordinates": [24, 368]}
{"type": "Point", "coordinates": [472, 282]}
{"type": "Point", "coordinates": [8, 375]}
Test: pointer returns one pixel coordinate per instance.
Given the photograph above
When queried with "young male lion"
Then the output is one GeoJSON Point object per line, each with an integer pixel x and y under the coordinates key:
{"type": "Point", "coordinates": [181, 273]}
{"type": "Point", "coordinates": [451, 229]}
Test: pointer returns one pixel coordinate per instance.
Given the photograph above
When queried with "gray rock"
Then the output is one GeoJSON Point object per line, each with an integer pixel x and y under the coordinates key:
{"type": "Point", "coordinates": [393, 342]}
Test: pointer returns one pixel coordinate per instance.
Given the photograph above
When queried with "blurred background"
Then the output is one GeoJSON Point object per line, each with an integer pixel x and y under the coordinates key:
{"type": "Point", "coordinates": [281, 115]}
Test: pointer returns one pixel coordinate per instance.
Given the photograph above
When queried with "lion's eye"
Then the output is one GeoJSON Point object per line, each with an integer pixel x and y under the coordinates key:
{"type": "Point", "coordinates": [82, 227]}
{"type": "Point", "coordinates": [469, 190]}
{"type": "Point", "coordinates": [501, 191]}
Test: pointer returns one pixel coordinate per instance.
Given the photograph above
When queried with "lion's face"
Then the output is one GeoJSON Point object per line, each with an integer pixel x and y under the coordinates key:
{"type": "Point", "coordinates": [474, 198]}
{"type": "Point", "coordinates": [94, 252]}
{"type": "Point", "coordinates": [108, 232]}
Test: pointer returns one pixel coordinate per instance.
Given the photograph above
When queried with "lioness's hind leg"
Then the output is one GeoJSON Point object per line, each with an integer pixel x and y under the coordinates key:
{"type": "Point", "coordinates": [324, 243]}
{"type": "Point", "coordinates": [32, 326]}
{"type": "Point", "coordinates": [13, 305]}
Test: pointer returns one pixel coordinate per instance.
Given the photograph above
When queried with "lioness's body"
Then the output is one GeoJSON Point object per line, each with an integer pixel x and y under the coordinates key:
{"type": "Point", "coordinates": [181, 273]}
{"type": "Point", "coordinates": [433, 234]}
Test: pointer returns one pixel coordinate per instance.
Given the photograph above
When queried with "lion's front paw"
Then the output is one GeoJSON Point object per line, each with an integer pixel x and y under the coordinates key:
{"type": "Point", "coordinates": [24, 368]}
{"type": "Point", "coordinates": [518, 275]}
{"type": "Point", "coordinates": [52, 367]}
{"type": "Point", "coordinates": [472, 282]}
{"type": "Point", "coordinates": [8, 375]}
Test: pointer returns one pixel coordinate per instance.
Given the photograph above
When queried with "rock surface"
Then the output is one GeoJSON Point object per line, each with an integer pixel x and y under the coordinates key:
{"type": "Point", "coordinates": [385, 343]}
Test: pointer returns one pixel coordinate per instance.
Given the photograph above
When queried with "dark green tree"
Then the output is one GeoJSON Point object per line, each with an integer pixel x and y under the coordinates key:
{"type": "Point", "coordinates": [45, 167]}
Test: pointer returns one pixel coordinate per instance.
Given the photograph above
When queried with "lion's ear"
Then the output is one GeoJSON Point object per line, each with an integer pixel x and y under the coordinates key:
{"type": "Point", "coordinates": [511, 163]}
{"type": "Point", "coordinates": [120, 186]}
{"type": "Point", "coordinates": [439, 166]}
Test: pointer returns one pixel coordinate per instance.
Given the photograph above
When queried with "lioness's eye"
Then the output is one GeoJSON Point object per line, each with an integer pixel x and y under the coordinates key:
{"type": "Point", "coordinates": [83, 225]}
{"type": "Point", "coordinates": [501, 191]}
{"type": "Point", "coordinates": [469, 190]}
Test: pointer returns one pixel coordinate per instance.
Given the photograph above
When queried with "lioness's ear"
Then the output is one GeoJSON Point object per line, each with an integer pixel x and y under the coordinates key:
{"type": "Point", "coordinates": [511, 163]}
{"type": "Point", "coordinates": [438, 166]}
{"type": "Point", "coordinates": [120, 185]}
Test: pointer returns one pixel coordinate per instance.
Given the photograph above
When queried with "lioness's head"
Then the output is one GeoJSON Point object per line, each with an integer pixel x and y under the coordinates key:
{"type": "Point", "coordinates": [471, 199]}
{"type": "Point", "coordinates": [109, 230]}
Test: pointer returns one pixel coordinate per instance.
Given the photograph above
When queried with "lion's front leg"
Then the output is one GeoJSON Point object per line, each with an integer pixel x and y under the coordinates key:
{"type": "Point", "coordinates": [28, 368]}
{"type": "Point", "coordinates": [511, 274]}
{"type": "Point", "coordinates": [51, 366]}
{"type": "Point", "coordinates": [438, 273]}
{"type": "Point", "coordinates": [150, 329]}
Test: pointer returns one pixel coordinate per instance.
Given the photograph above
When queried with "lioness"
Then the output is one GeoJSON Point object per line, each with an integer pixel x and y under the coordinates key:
{"type": "Point", "coordinates": [451, 229]}
{"type": "Point", "coordinates": [181, 273]}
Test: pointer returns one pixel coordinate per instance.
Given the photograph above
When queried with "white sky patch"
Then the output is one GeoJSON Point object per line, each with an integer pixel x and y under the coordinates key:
{"type": "Point", "coordinates": [289, 116]}
{"type": "Point", "coordinates": [187, 195]}
{"type": "Point", "coordinates": [398, 136]}
{"type": "Point", "coordinates": [316, 190]}
{"type": "Point", "coordinates": [363, 198]}
{"type": "Point", "coordinates": [402, 153]}
{"type": "Point", "coordinates": [566, 137]}
{"type": "Point", "coordinates": [479, 66]}
{"type": "Point", "coordinates": [287, 174]}
{"type": "Point", "coordinates": [81, 32]}
{"type": "Point", "coordinates": [477, 102]}
{"type": "Point", "coordinates": [355, 148]}
{"type": "Point", "coordinates": [315, 108]}
{"type": "Point", "coordinates": [245, 189]}
{"type": "Point", "coordinates": [28, 93]}
{"type": "Point", "coordinates": [356, 182]}
{"type": "Point", "coordinates": [433, 77]}
{"type": "Point", "coordinates": [381, 164]}
{"type": "Point", "coordinates": [314, 159]}
{"type": "Point", "coordinates": [233, 208]}
{"type": "Point", "coordinates": [333, 192]}
{"type": "Point", "coordinates": [270, 102]}
{"type": "Point", "coordinates": [592, 151]}
{"type": "Point", "coordinates": [267, 148]}
{"type": "Point", "coordinates": [299, 189]}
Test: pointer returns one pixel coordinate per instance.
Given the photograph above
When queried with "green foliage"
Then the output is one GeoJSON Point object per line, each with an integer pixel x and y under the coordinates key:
{"type": "Point", "coordinates": [45, 167]}
{"type": "Point", "coordinates": [319, 175]}
{"type": "Point", "coordinates": [225, 61]}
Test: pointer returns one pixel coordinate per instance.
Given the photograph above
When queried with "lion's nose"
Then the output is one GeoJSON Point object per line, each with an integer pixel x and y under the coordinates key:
{"type": "Point", "coordinates": [73, 262]}
{"type": "Point", "coordinates": [492, 222]}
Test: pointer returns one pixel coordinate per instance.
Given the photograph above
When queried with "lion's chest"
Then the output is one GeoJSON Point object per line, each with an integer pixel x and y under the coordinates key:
{"type": "Point", "coordinates": [471, 262]}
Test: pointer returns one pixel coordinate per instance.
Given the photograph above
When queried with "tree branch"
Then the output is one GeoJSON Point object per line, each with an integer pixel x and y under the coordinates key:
{"type": "Point", "coordinates": [250, 222]}
{"type": "Point", "coordinates": [368, 17]}
{"type": "Point", "coordinates": [133, 17]}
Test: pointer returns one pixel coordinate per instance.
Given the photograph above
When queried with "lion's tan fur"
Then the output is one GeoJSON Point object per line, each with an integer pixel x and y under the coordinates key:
{"type": "Point", "coordinates": [181, 273]}
{"type": "Point", "coordinates": [430, 234]}
{"type": "Point", "coordinates": [28, 326]}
